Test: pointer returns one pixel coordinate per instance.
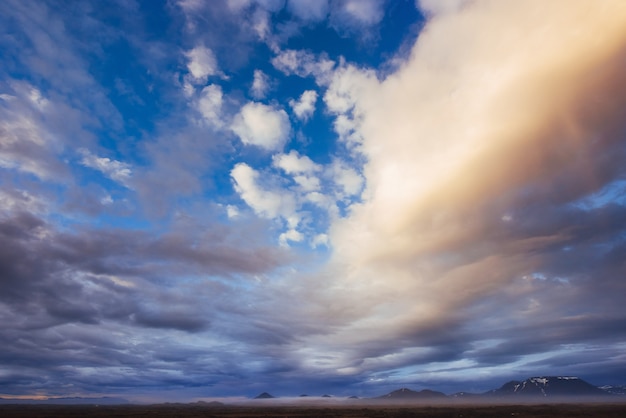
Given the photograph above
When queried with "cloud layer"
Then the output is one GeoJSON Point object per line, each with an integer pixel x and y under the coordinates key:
{"type": "Point", "coordinates": [245, 209]}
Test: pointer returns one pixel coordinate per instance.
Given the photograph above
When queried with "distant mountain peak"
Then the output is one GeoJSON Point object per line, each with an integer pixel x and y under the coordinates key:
{"type": "Point", "coordinates": [264, 395]}
{"type": "Point", "coordinates": [406, 393]}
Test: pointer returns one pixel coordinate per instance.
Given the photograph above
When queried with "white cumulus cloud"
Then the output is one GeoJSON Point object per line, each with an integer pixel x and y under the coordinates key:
{"type": "Point", "coordinates": [308, 183]}
{"type": "Point", "coordinates": [293, 163]}
{"type": "Point", "coordinates": [201, 64]}
{"type": "Point", "coordinates": [268, 203]}
{"type": "Point", "coordinates": [290, 235]}
{"type": "Point", "coordinates": [262, 125]}
{"type": "Point", "coordinates": [349, 181]}
{"type": "Point", "coordinates": [305, 106]}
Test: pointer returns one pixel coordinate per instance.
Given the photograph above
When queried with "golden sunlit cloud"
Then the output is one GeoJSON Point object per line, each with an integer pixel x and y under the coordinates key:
{"type": "Point", "coordinates": [497, 102]}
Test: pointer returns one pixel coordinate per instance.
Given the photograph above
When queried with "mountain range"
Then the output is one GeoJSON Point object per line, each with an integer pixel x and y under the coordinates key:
{"type": "Point", "coordinates": [541, 387]}
{"type": "Point", "coordinates": [535, 387]}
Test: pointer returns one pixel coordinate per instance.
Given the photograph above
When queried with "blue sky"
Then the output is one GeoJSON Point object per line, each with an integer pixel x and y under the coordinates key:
{"type": "Point", "coordinates": [219, 198]}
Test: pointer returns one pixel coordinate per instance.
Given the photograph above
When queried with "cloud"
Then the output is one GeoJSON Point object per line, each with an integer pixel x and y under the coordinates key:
{"type": "Point", "coordinates": [88, 276]}
{"type": "Point", "coordinates": [260, 85]}
{"type": "Point", "coordinates": [265, 126]}
{"type": "Point", "coordinates": [256, 16]}
{"type": "Point", "coordinates": [491, 116]}
{"type": "Point", "coordinates": [313, 11]}
{"type": "Point", "coordinates": [290, 235]}
{"type": "Point", "coordinates": [348, 86]}
{"type": "Point", "coordinates": [293, 163]}
{"type": "Point", "coordinates": [473, 199]}
{"type": "Point", "coordinates": [15, 200]}
{"type": "Point", "coordinates": [63, 294]}
{"type": "Point", "coordinates": [26, 144]}
{"type": "Point", "coordinates": [305, 106]}
{"type": "Point", "coordinates": [320, 240]}
{"type": "Point", "coordinates": [359, 12]}
{"type": "Point", "coordinates": [177, 161]}
{"type": "Point", "coordinates": [302, 168]}
{"type": "Point", "coordinates": [357, 16]}
{"type": "Point", "coordinates": [261, 23]}
{"type": "Point", "coordinates": [304, 64]}
{"type": "Point", "coordinates": [350, 182]}
{"type": "Point", "coordinates": [117, 171]}
{"type": "Point", "coordinates": [308, 183]}
{"type": "Point", "coordinates": [269, 5]}
{"type": "Point", "coordinates": [265, 202]}
{"type": "Point", "coordinates": [210, 105]}
{"type": "Point", "coordinates": [480, 113]}
{"type": "Point", "coordinates": [238, 5]}
{"type": "Point", "coordinates": [224, 27]}
{"type": "Point", "coordinates": [201, 64]}
{"type": "Point", "coordinates": [232, 211]}
{"type": "Point", "coordinates": [49, 51]}
{"type": "Point", "coordinates": [434, 8]}
{"type": "Point", "coordinates": [170, 319]}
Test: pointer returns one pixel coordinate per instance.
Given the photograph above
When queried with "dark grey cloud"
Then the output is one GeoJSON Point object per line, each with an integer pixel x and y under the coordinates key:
{"type": "Point", "coordinates": [51, 278]}
{"type": "Point", "coordinates": [72, 302]}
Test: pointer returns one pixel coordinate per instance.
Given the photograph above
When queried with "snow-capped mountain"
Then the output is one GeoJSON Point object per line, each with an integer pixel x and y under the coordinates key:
{"type": "Point", "coordinates": [614, 390]}
{"type": "Point", "coordinates": [546, 386]}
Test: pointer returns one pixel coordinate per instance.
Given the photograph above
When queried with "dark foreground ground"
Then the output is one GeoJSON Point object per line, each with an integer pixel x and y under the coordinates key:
{"type": "Point", "coordinates": [172, 410]}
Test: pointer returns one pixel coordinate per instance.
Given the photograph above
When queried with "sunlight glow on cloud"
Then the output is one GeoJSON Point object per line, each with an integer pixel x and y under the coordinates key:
{"type": "Point", "coordinates": [456, 134]}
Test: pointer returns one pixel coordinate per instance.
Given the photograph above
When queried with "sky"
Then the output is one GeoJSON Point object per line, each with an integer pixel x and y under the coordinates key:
{"type": "Point", "coordinates": [204, 199]}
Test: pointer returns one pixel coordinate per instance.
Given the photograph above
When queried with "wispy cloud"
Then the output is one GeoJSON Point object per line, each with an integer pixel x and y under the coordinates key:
{"type": "Point", "coordinates": [260, 85]}
{"type": "Point", "coordinates": [116, 170]}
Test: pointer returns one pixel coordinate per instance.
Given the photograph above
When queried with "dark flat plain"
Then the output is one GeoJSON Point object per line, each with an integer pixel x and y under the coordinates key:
{"type": "Point", "coordinates": [352, 411]}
